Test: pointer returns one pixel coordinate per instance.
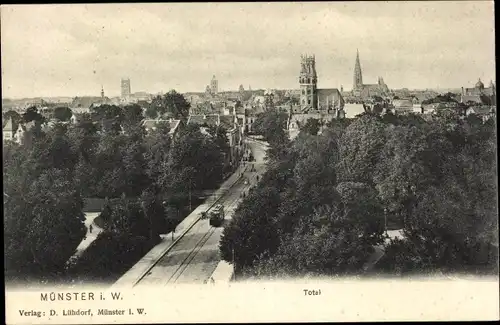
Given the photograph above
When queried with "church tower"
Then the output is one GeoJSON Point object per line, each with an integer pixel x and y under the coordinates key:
{"type": "Point", "coordinates": [358, 77]}
{"type": "Point", "coordinates": [308, 81]}
{"type": "Point", "coordinates": [102, 95]}
{"type": "Point", "coordinates": [214, 85]}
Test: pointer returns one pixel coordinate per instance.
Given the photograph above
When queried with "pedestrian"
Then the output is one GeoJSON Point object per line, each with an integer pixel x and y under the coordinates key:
{"type": "Point", "coordinates": [90, 228]}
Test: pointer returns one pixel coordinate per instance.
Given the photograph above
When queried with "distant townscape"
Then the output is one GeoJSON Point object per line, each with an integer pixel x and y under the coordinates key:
{"type": "Point", "coordinates": [306, 101]}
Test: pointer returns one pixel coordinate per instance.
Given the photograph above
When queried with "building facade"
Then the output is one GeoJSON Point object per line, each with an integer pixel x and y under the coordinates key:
{"type": "Point", "coordinates": [126, 90]}
{"type": "Point", "coordinates": [365, 91]}
{"type": "Point", "coordinates": [308, 81]}
{"type": "Point", "coordinates": [214, 86]}
{"type": "Point", "coordinates": [479, 94]}
{"type": "Point", "coordinates": [323, 104]}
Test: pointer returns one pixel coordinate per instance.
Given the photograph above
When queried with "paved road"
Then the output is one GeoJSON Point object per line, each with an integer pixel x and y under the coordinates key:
{"type": "Point", "coordinates": [194, 258]}
{"type": "Point", "coordinates": [89, 237]}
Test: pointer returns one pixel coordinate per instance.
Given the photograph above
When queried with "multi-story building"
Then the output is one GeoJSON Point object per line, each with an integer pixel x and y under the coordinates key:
{"type": "Point", "coordinates": [17, 132]}
{"type": "Point", "coordinates": [479, 94]}
{"type": "Point", "coordinates": [126, 90]}
{"type": "Point", "coordinates": [365, 91]}
{"type": "Point", "coordinates": [214, 85]}
{"type": "Point", "coordinates": [323, 104]}
{"type": "Point", "coordinates": [173, 124]}
{"type": "Point", "coordinates": [233, 132]}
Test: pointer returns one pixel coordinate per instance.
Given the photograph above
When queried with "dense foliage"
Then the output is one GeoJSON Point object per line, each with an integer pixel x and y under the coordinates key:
{"type": "Point", "coordinates": [323, 201]}
{"type": "Point", "coordinates": [105, 154]}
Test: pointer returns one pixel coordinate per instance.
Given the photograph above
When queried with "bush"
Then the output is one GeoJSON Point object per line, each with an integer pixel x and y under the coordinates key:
{"type": "Point", "coordinates": [110, 256]}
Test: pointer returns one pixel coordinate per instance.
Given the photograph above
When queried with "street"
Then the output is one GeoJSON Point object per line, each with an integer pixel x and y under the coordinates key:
{"type": "Point", "coordinates": [195, 256]}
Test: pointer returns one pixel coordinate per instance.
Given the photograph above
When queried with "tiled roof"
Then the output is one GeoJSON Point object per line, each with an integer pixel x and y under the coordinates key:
{"type": "Point", "coordinates": [479, 110]}
{"type": "Point", "coordinates": [329, 92]}
{"type": "Point", "coordinates": [402, 103]}
{"type": "Point", "coordinates": [211, 119]}
{"type": "Point", "coordinates": [8, 126]}
{"type": "Point", "coordinates": [472, 98]}
{"type": "Point", "coordinates": [227, 122]}
{"type": "Point", "coordinates": [151, 124]}
{"type": "Point", "coordinates": [87, 101]}
{"type": "Point", "coordinates": [332, 94]}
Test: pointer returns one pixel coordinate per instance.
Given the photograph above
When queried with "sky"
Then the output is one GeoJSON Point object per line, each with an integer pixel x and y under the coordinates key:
{"type": "Point", "coordinates": [73, 50]}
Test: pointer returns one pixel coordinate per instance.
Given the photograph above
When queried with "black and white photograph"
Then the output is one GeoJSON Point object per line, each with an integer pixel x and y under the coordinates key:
{"type": "Point", "coordinates": [156, 145]}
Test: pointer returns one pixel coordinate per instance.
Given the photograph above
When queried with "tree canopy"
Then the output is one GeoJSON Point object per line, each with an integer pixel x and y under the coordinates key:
{"type": "Point", "coordinates": [324, 200]}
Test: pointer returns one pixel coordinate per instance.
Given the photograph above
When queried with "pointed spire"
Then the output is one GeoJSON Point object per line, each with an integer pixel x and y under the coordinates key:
{"type": "Point", "coordinates": [358, 77]}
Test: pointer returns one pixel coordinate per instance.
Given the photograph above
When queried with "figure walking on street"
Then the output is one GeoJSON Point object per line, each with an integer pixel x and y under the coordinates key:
{"type": "Point", "coordinates": [90, 228]}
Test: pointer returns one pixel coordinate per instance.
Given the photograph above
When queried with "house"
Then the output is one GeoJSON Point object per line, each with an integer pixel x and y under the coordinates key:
{"type": "Point", "coordinates": [15, 133]}
{"type": "Point", "coordinates": [479, 94]}
{"type": "Point", "coordinates": [8, 130]}
{"type": "Point", "coordinates": [173, 125]}
{"type": "Point", "coordinates": [83, 104]}
{"type": "Point", "coordinates": [484, 112]}
{"type": "Point", "coordinates": [403, 106]}
{"type": "Point", "coordinates": [233, 132]}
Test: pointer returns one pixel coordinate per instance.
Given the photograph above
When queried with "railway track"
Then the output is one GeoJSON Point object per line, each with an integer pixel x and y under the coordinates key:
{"type": "Point", "coordinates": [196, 228]}
{"type": "Point", "coordinates": [229, 207]}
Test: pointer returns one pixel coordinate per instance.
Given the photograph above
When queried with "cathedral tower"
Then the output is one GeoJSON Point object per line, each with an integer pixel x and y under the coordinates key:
{"type": "Point", "coordinates": [358, 77]}
{"type": "Point", "coordinates": [308, 81]}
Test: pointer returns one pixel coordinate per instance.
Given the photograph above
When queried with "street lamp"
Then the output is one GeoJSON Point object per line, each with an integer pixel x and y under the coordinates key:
{"type": "Point", "coordinates": [234, 264]}
{"type": "Point", "coordinates": [385, 221]}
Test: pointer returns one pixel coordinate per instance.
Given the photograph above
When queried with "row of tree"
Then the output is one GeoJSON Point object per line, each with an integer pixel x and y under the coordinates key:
{"type": "Point", "coordinates": [326, 199]}
{"type": "Point", "coordinates": [106, 154]}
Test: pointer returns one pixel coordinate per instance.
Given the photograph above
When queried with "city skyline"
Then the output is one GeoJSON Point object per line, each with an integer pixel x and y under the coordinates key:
{"type": "Point", "coordinates": [71, 50]}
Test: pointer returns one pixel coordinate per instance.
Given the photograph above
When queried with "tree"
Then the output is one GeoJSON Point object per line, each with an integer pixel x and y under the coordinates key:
{"type": "Point", "coordinates": [106, 112]}
{"type": "Point", "coordinates": [251, 231]}
{"type": "Point", "coordinates": [128, 218]}
{"type": "Point", "coordinates": [363, 209]}
{"type": "Point", "coordinates": [271, 125]}
{"type": "Point", "coordinates": [132, 115]}
{"type": "Point", "coordinates": [151, 112]}
{"type": "Point", "coordinates": [32, 114]}
{"type": "Point", "coordinates": [62, 113]}
{"type": "Point", "coordinates": [171, 103]}
{"type": "Point", "coordinates": [110, 172]}
{"type": "Point", "coordinates": [158, 145]}
{"type": "Point", "coordinates": [43, 225]}
{"type": "Point", "coordinates": [133, 162]}
{"type": "Point", "coordinates": [197, 157]}
{"type": "Point", "coordinates": [360, 149]}
{"type": "Point", "coordinates": [15, 116]}
{"type": "Point", "coordinates": [322, 243]}
{"type": "Point", "coordinates": [312, 126]}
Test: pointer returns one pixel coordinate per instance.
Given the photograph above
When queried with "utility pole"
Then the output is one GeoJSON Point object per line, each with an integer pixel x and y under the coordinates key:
{"type": "Point", "coordinates": [190, 195]}
{"type": "Point", "coordinates": [234, 265]}
{"type": "Point", "coordinates": [385, 220]}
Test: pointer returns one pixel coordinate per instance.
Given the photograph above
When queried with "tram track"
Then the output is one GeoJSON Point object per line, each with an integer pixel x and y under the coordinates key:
{"type": "Point", "coordinates": [229, 208]}
{"type": "Point", "coordinates": [180, 237]}
{"type": "Point", "coordinates": [194, 244]}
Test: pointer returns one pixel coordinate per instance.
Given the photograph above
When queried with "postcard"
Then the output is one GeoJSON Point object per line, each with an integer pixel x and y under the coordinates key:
{"type": "Point", "coordinates": [249, 162]}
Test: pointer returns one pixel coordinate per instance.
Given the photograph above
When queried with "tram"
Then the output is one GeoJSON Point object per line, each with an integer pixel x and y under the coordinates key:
{"type": "Point", "coordinates": [217, 215]}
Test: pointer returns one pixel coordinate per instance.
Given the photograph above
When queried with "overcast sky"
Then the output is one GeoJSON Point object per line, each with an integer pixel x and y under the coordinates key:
{"type": "Point", "coordinates": [70, 50]}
